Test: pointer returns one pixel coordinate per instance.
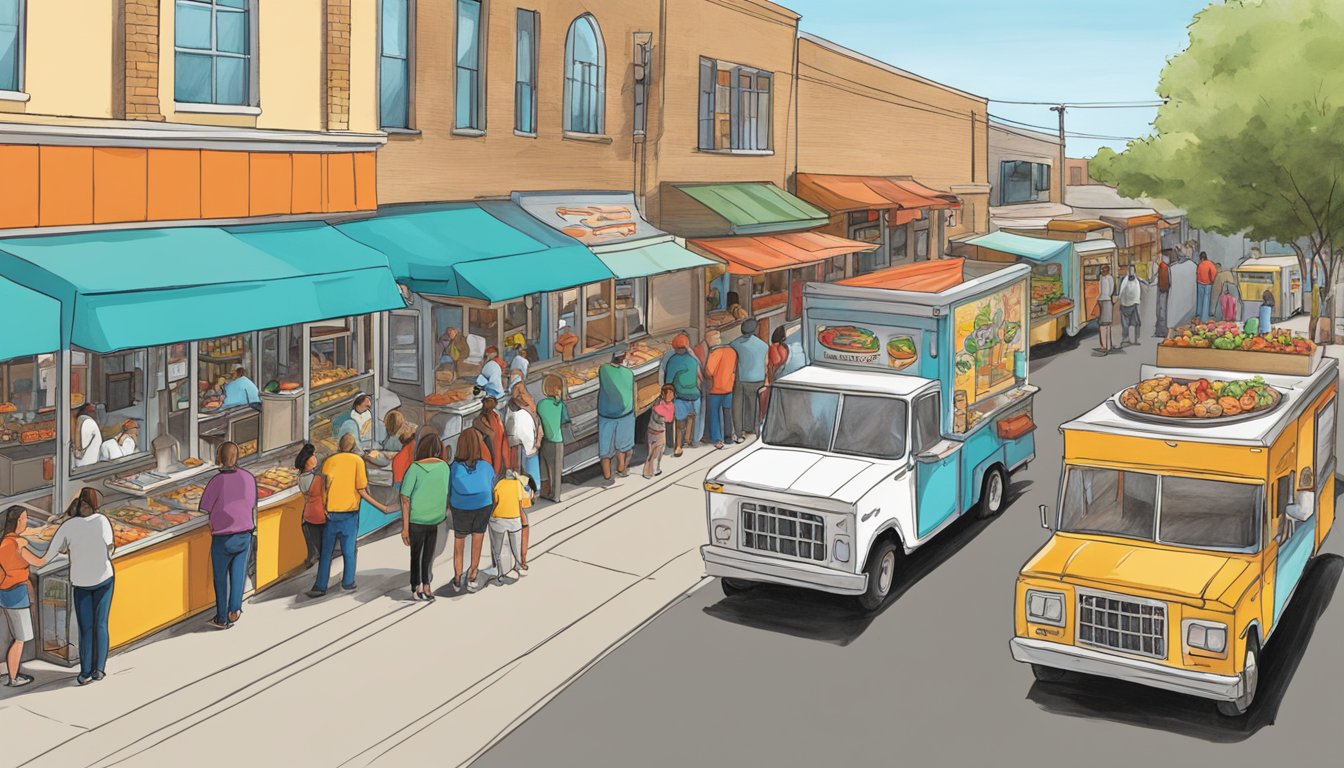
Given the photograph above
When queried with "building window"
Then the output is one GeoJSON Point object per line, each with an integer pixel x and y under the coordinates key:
{"type": "Point", "coordinates": [1023, 182]}
{"type": "Point", "coordinates": [585, 77]}
{"type": "Point", "coordinates": [394, 63]}
{"type": "Point", "coordinates": [11, 45]}
{"type": "Point", "coordinates": [525, 77]}
{"type": "Point", "coordinates": [470, 106]}
{"type": "Point", "coordinates": [735, 107]}
{"type": "Point", "coordinates": [213, 45]}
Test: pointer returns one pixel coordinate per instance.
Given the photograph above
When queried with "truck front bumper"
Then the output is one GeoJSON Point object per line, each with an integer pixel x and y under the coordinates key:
{"type": "Point", "coordinates": [733, 564]}
{"type": "Point", "coordinates": [1074, 659]}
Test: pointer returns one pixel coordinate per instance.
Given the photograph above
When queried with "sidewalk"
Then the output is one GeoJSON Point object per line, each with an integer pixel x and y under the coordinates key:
{"type": "Point", "coordinates": [374, 678]}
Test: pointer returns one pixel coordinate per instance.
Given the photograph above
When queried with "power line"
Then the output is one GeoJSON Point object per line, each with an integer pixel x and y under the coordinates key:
{"type": "Point", "coordinates": [1135, 104]}
{"type": "Point", "coordinates": [1047, 129]}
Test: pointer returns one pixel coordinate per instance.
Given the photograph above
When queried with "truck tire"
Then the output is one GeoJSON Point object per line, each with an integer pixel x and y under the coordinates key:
{"type": "Point", "coordinates": [993, 491]}
{"type": "Point", "coordinates": [735, 586]}
{"type": "Point", "coordinates": [1250, 680]}
{"type": "Point", "coordinates": [884, 563]}
{"type": "Point", "coordinates": [1046, 674]}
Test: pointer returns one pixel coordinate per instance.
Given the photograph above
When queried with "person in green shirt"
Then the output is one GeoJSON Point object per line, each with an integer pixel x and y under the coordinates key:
{"type": "Point", "coordinates": [424, 506]}
{"type": "Point", "coordinates": [553, 414]}
{"type": "Point", "coordinates": [615, 413]}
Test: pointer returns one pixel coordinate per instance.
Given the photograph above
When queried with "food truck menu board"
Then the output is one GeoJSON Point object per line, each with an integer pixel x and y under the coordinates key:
{"type": "Point", "coordinates": [988, 334]}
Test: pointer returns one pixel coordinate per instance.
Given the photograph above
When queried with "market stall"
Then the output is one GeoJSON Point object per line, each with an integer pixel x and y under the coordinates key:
{"type": "Point", "coordinates": [1093, 255]}
{"type": "Point", "coordinates": [1280, 275]}
{"type": "Point", "coordinates": [1055, 291]}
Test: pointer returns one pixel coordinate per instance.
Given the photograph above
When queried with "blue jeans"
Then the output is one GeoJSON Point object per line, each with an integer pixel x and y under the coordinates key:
{"type": "Point", "coordinates": [92, 606]}
{"type": "Point", "coordinates": [699, 420]}
{"type": "Point", "coordinates": [228, 560]}
{"type": "Point", "coordinates": [532, 467]}
{"type": "Point", "coordinates": [343, 527]}
{"type": "Point", "coordinates": [1203, 299]}
{"type": "Point", "coordinates": [719, 406]}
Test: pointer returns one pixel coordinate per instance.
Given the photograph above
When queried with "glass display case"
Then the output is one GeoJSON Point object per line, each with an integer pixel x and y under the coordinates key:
{"type": "Point", "coordinates": [339, 369]}
{"type": "Point", "coordinates": [599, 321]}
{"type": "Point", "coordinates": [632, 305]}
{"type": "Point", "coordinates": [217, 361]}
{"type": "Point", "coordinates": [115, 384]}
{"type": "Point", "coordinates": [403, 346]}
{"type": "Point", "coordinates": [27, 424]}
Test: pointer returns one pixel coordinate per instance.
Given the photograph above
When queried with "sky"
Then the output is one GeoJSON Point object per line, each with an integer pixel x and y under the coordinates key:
{"type": "Point", "coordinates": [1023, 50]}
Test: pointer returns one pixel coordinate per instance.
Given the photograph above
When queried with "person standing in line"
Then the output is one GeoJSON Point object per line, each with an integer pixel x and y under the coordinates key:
{"type": "Point", "coordinates": [775, 360]}
{"type": "Point", "coordinates": [520, 424]}
{"type": "Point", "coordinates": [751, 363]}
{"type": "Point", "coordinates": [615, 413]}
{"type": "Point", "coordinates": [86, 535]}
{"type": "Point", "coordinates": [346, 483]}
{"type": "Point", "coordinates": [1227, 304]}
{"type": "Point", "coordinates": [553, 415]}
{"type": "Point", "coordinates": [491, 379]}
{"type": "Point", "coordinates": [312, 487]}
{"type": "Point", "coordinates": [88, 450]}
{"type": "Point", "coordinates": [511, 497]}
{"type": "Point", "coordinates": [721, 367]}
{"type": "Point", "coordinates": [470, 497]}
{"type": "Point", "coordinates": [230, 498]}
{"type": "Point", "coordinates": [701, 352]}
{"type": "Point", "coordinates": [493, 436]}
{"type": "Point", "coordinates": [424, 507]}
{"type": "Point", "coordinates": [1163, 288]}
{"type": "Point", "coordinates": [1105, 308]}
{"type": "Point", "coordinates": [682, 370]}
{"type": "Point", "coordinates": [520, 363]}
{"type": "Point", "coordinates": [16, 613]}
{"type": "Point", "coordinates": [1131, 294]}
{"type": "Point", "coordinates": [1205, 273]}
{"type": "Point", "coordinates": [393, 423]}
{"type": "Point", "coordinates": [664, 412]}
{"type": "Point", "coordinates": [1266, 311]}
{"type": "Point", "coordinates": [405, 456]}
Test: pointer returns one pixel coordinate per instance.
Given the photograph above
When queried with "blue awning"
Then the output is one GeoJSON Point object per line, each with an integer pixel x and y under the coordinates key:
{"type": "Point", "coordinates": [491, 250]}
{"type": "Point", "coordinates": [644, 258]}
{"type": "Point", "coordinates": [1030, 248]}
{"type": "Point", "coordinates": [136, 288]}
{"type": "Point", "coordinates": [32, 321]}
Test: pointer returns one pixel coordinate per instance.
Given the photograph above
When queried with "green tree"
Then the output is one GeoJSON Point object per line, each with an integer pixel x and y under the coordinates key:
{"type": "Point", "coordinates": [1101, 167]}
{"type": "Point", "coordinates": [1251, 137]}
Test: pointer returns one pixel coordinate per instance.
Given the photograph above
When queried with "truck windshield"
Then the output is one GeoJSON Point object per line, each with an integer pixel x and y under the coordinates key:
{"type": "Point", "coordinates": [1202, 514]}
{"type": "Point", "coordinates": [869, 425]}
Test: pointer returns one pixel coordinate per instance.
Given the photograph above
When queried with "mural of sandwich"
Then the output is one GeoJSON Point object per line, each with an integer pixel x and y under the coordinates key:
{"type": "Point", "coordinates": [901, 352]}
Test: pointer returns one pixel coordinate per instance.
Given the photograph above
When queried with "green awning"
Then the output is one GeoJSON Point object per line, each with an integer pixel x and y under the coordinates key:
{"type": "Point", "coordinates": [756, 208]}
{"type": "Point", "coordinates": [32, 321]}
{"type": "Point", "coordinates": [136, 288]}
{"type": "Point", "coordinates": [1030, 248]}
{"type": "Point", "coordinates": [490, 251]}
{"type": "Point", "coordinates": [644, 258]}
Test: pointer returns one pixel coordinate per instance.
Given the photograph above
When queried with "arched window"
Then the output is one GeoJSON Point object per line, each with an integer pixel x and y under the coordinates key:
{"type": "Point", "coordinates": [585, 77]}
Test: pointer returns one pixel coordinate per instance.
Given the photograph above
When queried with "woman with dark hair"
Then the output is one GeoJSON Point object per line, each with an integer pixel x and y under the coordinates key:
{"type": "Point", "coordinates": [358, 422]}
{"type": "Point", "coordinates": [493, 436]}
{"type": "Point", "coordinates": [312, 486]}
{"type": "Point", "coordinates": [87, 536]}
{"type": "Point", "coordinates": [775, 358]}
{"type": "Point", "coordinates": [424, 505]}
{"type": "Point", "coordinates": [89, 436]}
{"type": "Point", "coordinates": [471, 498]}
{"type": "Point", "coordinates": [16, 613]}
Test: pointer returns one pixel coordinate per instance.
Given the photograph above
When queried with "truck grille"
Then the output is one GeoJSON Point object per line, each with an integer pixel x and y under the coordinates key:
{"type": "Point", "coordinates": [783, 531]}
{"type": "Point", "coordinates": [1131, 626]}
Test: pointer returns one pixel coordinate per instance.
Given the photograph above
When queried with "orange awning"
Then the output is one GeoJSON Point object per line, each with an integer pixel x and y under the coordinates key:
{"type": "Point", "coordinates": [839, 194]}
{"type": "Point", "coordinates": [1081, 225]}
{"type": "Point", "coordinates": [770, 253]}
{"type": "Point", "coordinates": [920, 277]}
{"type": "Point", "coordinates": [1135, 221]}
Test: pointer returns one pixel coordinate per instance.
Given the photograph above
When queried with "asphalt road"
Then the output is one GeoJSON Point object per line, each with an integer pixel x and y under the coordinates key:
{"type": "Point", "coordinates": [787, 677]}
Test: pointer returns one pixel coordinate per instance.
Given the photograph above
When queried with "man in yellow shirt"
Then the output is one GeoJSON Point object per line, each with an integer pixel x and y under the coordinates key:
{"type": "Point", "coordinates": [511, 498]}
{"type": "Point", "coordinates": [346, 483]}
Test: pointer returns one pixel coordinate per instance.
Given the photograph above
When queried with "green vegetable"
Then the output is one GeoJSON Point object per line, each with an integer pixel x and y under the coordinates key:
{"type": "Point", "coordinates": [1251, 326]}
{"type": "Point", "coordinates": [1224, 343]}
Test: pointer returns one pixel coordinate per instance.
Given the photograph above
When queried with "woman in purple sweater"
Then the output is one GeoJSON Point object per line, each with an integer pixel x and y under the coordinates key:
{"type": "Point", "coordinates": [230, 498]}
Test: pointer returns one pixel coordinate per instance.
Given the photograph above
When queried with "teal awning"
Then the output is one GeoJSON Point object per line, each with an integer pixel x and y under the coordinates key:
{"type": "Point", "coordinates": [491, 251]}
{"type": "Point", "coordinates": [136, 288]}
{"type": "Point", "coordinates": [644, 258]}
{"type": "Point", "coordinates": [1030, 248]}
{"type": "Point", "coordinates": [32, 321]}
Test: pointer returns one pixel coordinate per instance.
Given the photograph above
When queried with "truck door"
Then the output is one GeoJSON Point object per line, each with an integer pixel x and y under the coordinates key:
{"type": "Point", "coordinates": [937, 465]}
{"type": "Point", "coordinates": [1295, 541]}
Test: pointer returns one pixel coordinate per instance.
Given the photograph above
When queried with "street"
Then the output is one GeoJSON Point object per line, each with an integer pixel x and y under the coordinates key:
{"type": "Point", "coordinates": [779, 676]}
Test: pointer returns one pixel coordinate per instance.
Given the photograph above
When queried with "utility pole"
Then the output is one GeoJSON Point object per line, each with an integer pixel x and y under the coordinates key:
{"type": "Point", "coordinates": [1062, 154]}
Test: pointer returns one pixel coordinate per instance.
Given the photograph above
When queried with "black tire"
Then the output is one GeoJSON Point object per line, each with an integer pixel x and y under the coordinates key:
{"type": "Point", "coordinates": [993, 493]}
{"type": "Point", "coordinates": [1046, 674]}
{"type": "Point", "coordinates": [884, 563]}
{"type": "Point", "coordinates": [1250, 678]}
{"type": "Point", "coordinates": [736, 586]}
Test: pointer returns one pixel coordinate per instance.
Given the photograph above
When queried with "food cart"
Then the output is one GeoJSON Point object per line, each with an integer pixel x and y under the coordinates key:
{"type": "Point", "coordinates": [1092, 256]}
{"type": "Point", "coordinates": [1056, 287]}
{"type": "Point", "coordinates": [1280, 275]}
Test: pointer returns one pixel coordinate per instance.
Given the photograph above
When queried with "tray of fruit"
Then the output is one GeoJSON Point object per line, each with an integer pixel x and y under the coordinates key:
{"type": "Point", "coordinates": [1235, 336]}
{"type": "Point", "coordinates": [1171, 400]}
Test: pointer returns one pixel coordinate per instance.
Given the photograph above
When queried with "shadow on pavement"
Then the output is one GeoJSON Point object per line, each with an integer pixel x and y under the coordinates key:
{"type": "Point", "coordinates": [1121, 702]}
{"type": "Point", "coordinates": [836, 619]}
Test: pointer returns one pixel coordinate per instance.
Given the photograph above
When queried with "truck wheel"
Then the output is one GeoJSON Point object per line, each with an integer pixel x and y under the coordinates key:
{"type": "Point", "coordinates": [1250, 680]}
{"type": "Point", "coordinates": [883, 564]}
{"type": "Point", "coordinates": [736, 586]}
{"type": "Point", "coordinates": [1048, 674]}
{"type": "Point", "coordinates": [992, 491]}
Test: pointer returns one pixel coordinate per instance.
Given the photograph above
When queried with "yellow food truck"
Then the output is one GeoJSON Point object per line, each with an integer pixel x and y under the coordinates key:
{"type": "Point", "coordinates": [1280, 275]}
{"type": "Point", "coordinates": [1178, 541]}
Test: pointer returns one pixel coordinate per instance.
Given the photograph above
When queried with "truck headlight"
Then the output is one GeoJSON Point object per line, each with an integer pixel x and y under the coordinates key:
{"type": "Point", "coordinates": [1045, 607]}
{"type": "Point", "coordinates": [1206, 635]}
{"type": "Point", "coordinates": [714, 487]}
{"type": "Point", "coordinates": [841, 550]}
{"type": "Point", "coordinates": [722, 533]}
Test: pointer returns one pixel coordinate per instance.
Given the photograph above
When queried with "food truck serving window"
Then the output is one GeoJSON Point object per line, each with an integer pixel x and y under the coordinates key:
{"type": "Point", "coordinates": [988, 334]}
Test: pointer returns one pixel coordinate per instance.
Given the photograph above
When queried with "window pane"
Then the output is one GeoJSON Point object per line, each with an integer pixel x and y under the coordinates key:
{"type": "Point", "coordinates": [872, 426]}
{"type": "Point", "coordinates": [232, 3]}
{"type": "Point", "coordinates": [763, 120]}
{"type": "Point", "coordinates": [9, 12]}
{"type": "Point", "coordinates": [9, 55]}
{"type": "Point", "coordinates": [1208, 513]}
{"type": "Point", "coordinates": [392, 93]}
{"type": "Point", "coordinates": [1325, 442]}
{"type": "Point", "coordinates": [230, 80]}
{"type": "Point", "coordinates": [192, 27]}
{"type": "Point", "coordinates": [465, 95]}
{"type": "Point", "coordinates": [192, 78]}
{"type": "Point", "coordinates": [523, 61]}
{"type": "Point", "coordinates": [394, 28]}
{"type": "Point", "coordinates": [798, 418]}
{"type": "Point", "coordinates": [1109, 502]}
{"type": "Point", "coordinates": [468, 32]}
{"type": "Point", "coordinates": [585, 41]}
{"type": "Point", "coordinates": [231, 34]}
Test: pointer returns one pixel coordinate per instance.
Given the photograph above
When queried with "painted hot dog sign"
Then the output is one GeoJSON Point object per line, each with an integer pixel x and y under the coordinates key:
{"type": "Point", "coordinates": [896, 349]}
{"type": "Point", "coordinates": [589, 223]}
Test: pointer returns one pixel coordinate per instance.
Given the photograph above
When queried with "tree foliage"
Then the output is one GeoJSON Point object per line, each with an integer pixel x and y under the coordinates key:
{"type": "Point", "coordinates": [1101, 167]}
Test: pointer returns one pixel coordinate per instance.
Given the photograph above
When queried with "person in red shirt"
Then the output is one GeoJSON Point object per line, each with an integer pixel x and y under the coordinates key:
{"type": "Point", "coordinates": [721, 367]}
{"type": "Point", "coordinates": [1205, 274]}
{"type": "Point", "coordinates": [405, 457]}
{"type": "Point", "coordinates": [1163, 287]}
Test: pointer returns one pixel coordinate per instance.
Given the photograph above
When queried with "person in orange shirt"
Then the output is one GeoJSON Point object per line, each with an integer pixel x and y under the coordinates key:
{"type": "Point", "coordinates": [721, 366]}
{"type": "Point", "coordinates": [1205, 274]}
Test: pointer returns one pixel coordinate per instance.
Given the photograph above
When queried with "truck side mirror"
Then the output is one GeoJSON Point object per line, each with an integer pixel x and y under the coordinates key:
{"type": "Point", "coordinates": [1045, 517]}
{"type": "Point", "coordinates": [1299, 512]}
{"type": "Point", "coordinates": [927, 457]}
